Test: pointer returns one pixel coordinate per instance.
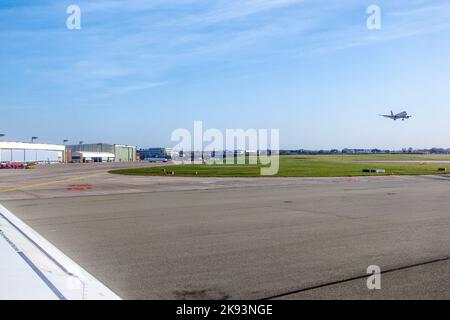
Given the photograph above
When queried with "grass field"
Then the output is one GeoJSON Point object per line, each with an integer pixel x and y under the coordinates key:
{"type": "Point", "coordinates": [312, 166]}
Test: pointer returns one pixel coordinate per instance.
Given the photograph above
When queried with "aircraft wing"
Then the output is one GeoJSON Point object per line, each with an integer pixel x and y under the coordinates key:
{"type": "Point", "coordinates": [33, 269]}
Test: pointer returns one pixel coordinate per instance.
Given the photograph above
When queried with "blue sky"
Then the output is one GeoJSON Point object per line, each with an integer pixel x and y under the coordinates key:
{"type": "Point", "coordinates": [137, 70]}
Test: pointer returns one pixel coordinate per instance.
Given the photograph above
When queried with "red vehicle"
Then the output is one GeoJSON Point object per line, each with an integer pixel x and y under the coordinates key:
{"type": "Point", "coordinates": [12, 165]}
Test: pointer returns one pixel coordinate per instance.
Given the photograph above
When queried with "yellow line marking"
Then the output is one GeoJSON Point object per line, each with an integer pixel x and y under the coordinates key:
{"type": "Point", "coordinates": [48, 183]}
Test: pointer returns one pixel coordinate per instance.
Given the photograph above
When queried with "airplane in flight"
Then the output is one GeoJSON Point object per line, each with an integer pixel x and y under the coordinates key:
{"type": "Point", "coordinates": [402, 115]}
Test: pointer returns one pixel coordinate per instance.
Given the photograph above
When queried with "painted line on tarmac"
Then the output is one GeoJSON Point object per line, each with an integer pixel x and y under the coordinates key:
{"type": "Point", "coordinates": [329, 284]}
{"type": "Point", "coordinates": [49, 183]}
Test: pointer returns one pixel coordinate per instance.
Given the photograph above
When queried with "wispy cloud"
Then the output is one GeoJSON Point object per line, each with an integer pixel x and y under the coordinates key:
{"type": "Point", "coordinates": [229, 10]}
{"type": "Point", "coordinates": [399, 21]}
{"type": "Point", "coordinates": [133, 88]}
{"type": "Point", "coordinates": [124, 42]}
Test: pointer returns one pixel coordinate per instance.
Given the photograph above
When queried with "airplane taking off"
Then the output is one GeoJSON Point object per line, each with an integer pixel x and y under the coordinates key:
{"type": "Point", "coordinates": [402, 115]}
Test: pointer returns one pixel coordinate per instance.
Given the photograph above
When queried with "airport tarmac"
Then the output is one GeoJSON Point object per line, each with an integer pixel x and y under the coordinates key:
{"type": "Point", "coordinates": [242, 238]}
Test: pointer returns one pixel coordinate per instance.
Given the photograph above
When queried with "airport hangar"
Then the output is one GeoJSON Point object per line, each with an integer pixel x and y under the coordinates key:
{"type": "Point", "coordinates": [101, 152]}
{"type": "Point", "coordinates": [31, 152]}
{"type": "Point", "coordinates": [22, 152]}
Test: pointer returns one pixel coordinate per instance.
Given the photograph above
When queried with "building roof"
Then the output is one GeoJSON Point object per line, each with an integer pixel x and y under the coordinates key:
{"type": "Point", "coordinates": [31, 146]}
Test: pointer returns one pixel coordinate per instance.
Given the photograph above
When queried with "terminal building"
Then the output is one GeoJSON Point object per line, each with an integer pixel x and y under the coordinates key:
{"type": "Point", "coordinates": [155, 153]}
{"type": "Point", "coordinates": [102, 152]}
{"type": "Point", "coordinates": [23, 152]}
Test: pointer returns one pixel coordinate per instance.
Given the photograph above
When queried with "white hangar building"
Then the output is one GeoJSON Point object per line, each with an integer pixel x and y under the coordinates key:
{"type": "Point", "coordinates": [31, 152]}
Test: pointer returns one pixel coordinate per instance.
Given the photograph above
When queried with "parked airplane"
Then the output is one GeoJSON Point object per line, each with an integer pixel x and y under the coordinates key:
{"type": "Point", "coordinates": [402, 115]}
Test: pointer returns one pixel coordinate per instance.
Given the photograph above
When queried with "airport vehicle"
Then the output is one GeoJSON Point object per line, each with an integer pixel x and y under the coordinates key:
{"type": "Point", "coordinates": [402, 115]}
{"type": "Point", "coordinates": [18, 165]}
{"type": "Point", "coordinates": [156, 160]}
{"type": "Point", "coordinates": [12, 165]}
{"type": "Point", "coordinates": [31, 165]}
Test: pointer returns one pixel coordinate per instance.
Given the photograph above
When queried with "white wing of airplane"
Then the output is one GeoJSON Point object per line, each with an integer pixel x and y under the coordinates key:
{"type": "Point", "coordinates": [390, 116]}
{"type": "Point", "coordinates": [33, 269]}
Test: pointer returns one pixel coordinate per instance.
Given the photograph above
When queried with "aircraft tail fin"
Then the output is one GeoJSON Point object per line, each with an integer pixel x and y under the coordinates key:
{"type": "Point", "coordinates": [392, 113]}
